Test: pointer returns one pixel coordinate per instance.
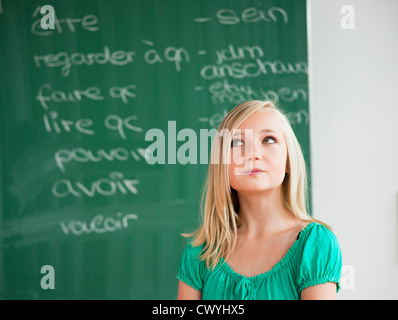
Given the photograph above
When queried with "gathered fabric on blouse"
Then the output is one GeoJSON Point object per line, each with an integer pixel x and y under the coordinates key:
{"type": "Point", "coordinates": [314, 258]}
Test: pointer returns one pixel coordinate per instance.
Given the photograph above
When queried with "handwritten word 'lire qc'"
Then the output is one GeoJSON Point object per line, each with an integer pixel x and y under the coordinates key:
{"type": "Point", "coordinates": [55, 124]}
{"type": "Point", "coordinates": [98, 224]}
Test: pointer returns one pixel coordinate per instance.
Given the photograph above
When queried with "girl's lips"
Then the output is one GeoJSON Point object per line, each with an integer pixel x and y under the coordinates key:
{"type": "Point", "coordinates": [254, 172]}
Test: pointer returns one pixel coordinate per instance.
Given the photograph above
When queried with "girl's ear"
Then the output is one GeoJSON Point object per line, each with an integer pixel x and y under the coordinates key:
{"type": "Point", "coordinates": [287, 170]}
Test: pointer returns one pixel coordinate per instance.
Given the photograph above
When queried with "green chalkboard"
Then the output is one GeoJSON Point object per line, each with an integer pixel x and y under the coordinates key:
{"type": "Point", "coordinates": [77, 192]}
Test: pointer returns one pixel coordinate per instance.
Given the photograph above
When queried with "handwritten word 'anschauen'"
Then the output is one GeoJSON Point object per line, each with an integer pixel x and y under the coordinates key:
{"type": "Point", "coordinates": [66, 61]}
{"type": "Point", "coordinates": [239, 70]}
{"type": "Point", "coordinates": [106, 187]}
{"type": "Point", "coordinates": [98, 224]}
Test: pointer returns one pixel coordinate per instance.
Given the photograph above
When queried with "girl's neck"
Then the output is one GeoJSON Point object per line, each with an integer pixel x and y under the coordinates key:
{"type": "Point", "coordinates": [263, 213]}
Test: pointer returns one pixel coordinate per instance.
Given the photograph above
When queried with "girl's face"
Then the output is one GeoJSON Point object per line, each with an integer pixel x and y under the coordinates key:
{"type": "Point", "coordinates": [258, 154]}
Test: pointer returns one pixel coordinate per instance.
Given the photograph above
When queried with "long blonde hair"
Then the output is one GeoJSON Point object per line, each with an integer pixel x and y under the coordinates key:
{"type": "Point", "coordinates": [219, 201]}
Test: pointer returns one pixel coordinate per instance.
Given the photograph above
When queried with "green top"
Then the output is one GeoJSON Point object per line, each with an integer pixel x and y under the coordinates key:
{"type": "Point", "coordinates": [314, 258]}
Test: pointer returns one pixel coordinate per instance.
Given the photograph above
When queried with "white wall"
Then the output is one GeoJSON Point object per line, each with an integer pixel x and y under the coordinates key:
{"type": "Point", "coordinates": [353, 92]}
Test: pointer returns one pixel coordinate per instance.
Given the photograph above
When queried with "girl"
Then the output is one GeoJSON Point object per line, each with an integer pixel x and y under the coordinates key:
{"type": "Point", "coordinates": [257, 240]}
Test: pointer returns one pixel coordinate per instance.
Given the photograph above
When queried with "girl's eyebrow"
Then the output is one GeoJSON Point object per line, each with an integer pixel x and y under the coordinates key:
{"type": "Point", "coordinates": [242, 132]}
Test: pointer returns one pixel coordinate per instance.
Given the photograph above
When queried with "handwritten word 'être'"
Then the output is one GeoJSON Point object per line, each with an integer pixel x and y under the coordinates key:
{"type": "Point", "coordinates": [98, 224]}
{"type": "Point", "coordinates": [88, 23]}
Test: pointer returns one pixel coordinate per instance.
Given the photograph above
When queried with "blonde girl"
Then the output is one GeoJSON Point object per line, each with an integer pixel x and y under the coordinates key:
{"type": "Point", "coordinates": [257, 240]}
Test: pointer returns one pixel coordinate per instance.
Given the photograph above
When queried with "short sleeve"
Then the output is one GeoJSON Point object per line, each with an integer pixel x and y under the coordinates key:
{"type": "Point", "coordinates": [191, 270]}
{"type": "Point", "coordinates": [321, 260]}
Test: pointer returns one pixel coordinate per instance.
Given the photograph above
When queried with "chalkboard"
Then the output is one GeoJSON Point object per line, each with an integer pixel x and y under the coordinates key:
{"type": "Point", "coordinates": [84, 215]}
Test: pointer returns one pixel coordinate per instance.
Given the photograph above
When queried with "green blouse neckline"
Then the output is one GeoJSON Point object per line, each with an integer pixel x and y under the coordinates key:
{"type": "Point", "coordinates": [274, 269]}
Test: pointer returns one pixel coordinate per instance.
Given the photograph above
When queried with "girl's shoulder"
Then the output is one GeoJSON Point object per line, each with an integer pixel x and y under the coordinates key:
{"type": "Point", "coordinates": [194, 251]}
{"type": "Point", "coordinates": [320, 257]}
{"type": "Point", "coordinates": [318, 232]}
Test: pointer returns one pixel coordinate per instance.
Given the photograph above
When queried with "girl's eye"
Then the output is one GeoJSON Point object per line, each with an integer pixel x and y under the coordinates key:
{"type": "Point", "coordinates": [239, 142]}
{"type": "Point", "coordinates": [234, 142]}
{"type": "Point", "coordinates": [271, 139]}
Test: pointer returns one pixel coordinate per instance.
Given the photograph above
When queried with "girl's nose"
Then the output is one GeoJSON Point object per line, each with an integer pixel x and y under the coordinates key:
{"type": "Point", "coordinates": [254, 152]}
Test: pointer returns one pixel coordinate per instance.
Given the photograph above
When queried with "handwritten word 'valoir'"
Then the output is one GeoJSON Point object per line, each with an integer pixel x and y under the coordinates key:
{"type": "Point", "coordinates": [98, 224]}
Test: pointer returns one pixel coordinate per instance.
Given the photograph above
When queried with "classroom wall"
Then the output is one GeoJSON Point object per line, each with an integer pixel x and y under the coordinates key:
{"type": "Point", "coordinates": [353, 112]}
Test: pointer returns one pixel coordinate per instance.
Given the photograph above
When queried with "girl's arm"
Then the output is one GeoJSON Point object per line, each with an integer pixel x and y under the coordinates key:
{"type": "Point", "coordinates": [186, 292]}
{"type": "Point", "coordinates": [325, 291]}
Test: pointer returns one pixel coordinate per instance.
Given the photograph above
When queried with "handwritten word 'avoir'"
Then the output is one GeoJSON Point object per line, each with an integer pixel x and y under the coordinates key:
{"type": "Point", "coordinates": [105, 186]}
{"type": "Point", "coordinates": [98, 224]}
{"type": "Point", "coordinates": [66, 61]}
